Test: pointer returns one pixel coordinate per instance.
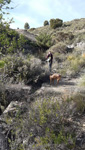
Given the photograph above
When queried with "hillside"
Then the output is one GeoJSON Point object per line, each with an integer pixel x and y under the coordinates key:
{"type": "Point", "coordinates": [35, 114]}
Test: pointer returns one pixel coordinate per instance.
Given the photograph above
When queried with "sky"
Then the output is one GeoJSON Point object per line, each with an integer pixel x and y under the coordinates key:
{"type": "Point", "coordinates": [35, 12]}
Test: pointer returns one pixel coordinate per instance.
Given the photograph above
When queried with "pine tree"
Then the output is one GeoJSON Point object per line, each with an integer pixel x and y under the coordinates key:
{"type": "Point", "coordinates": [26, 26]}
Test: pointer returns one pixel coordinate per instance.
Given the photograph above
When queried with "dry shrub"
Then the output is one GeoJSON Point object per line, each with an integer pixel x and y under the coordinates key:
{"type": "Point", "coordinates": [71, 57]}
{"type": "Point", "coordinates": [35, 66]}
{"type": "Point", "coordinates": [59, 48]}
{"type": "Point", "coordinates": [81, 81]}
{"type": "Point", "coordinates": [31, 29]}
{"type": "Point", "coordinates": [61, 36]}
{"type": "Point", "coordinates": [75, 63]}
{"type": "Point", "coordinates": [79, 100]}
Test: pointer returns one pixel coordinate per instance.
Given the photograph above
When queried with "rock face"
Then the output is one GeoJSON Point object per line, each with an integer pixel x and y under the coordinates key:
{"type": "Point", "coordinates": [14, 95]}
{"type": "Point", "coordinates": [26, 34]}
{"type": "Point", "coordinates": [3, 140]}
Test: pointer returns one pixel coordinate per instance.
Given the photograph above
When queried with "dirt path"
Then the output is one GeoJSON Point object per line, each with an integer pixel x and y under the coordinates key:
{"type": "Point", "coordinates": [64, 87]}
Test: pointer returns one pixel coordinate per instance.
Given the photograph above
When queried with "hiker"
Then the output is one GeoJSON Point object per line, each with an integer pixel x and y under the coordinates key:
{"type": "Point", "coordinates": [50, 60]}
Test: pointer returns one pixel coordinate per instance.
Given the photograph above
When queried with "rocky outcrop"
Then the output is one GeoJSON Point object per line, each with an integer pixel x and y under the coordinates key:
{"type": "Point", "coordinates": [3, 138]}
{"type": "Point", "coordinates": [26, 34]}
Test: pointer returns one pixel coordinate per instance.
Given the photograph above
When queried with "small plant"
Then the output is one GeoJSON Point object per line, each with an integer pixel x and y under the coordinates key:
{"type": "Point", "coordinates": [71, 57]}
{"type": "Point", "coordinates": [20, 147]}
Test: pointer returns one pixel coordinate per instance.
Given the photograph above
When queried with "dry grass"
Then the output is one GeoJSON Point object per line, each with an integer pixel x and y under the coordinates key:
{"type": "Point", "coordinates": [82, 81]}
{"type": "Point", "coordinates": [75, 63]}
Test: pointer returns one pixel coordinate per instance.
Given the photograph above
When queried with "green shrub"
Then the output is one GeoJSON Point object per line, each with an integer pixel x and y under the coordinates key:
{"type": "Point", "coordinates": [44, 41]}
{"type": "Point", "coordinates": [2, 63]}
{"type": "Point", "coordinates": [11, 41]}
{"type": "Point", "coordinates": [26, 26]}
{"type": "Point", "coordinates": [8, 38]}
{"type": "Point", "coordinates": [46, 23]}
{"type": "Point", "coordinates": [50, 137]}
{"type": "Point", "coordinates": [44, 110]}
{"type": "Point", "coordinates": [46, 114]}
{"type": "Point", "coordinates": [21, 42]}
{"type": "Point", "coordinates": [54, 23]}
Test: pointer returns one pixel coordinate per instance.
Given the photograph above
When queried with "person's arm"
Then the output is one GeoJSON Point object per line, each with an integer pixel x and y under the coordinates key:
{"type": "Point", "coordinates": [48, 55]}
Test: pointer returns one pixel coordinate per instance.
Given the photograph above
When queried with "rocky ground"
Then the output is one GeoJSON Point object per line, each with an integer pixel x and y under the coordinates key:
{"type": "Point", "coordinates": [21, 95]}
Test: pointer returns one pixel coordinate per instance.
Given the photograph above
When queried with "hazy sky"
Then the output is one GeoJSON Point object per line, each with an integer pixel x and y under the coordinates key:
{"type": "Point", "coordinates": [35, 12]}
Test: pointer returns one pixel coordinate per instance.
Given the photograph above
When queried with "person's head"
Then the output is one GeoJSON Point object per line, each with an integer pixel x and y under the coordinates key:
{"type": "Point", "coordinates": [49, 52]}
